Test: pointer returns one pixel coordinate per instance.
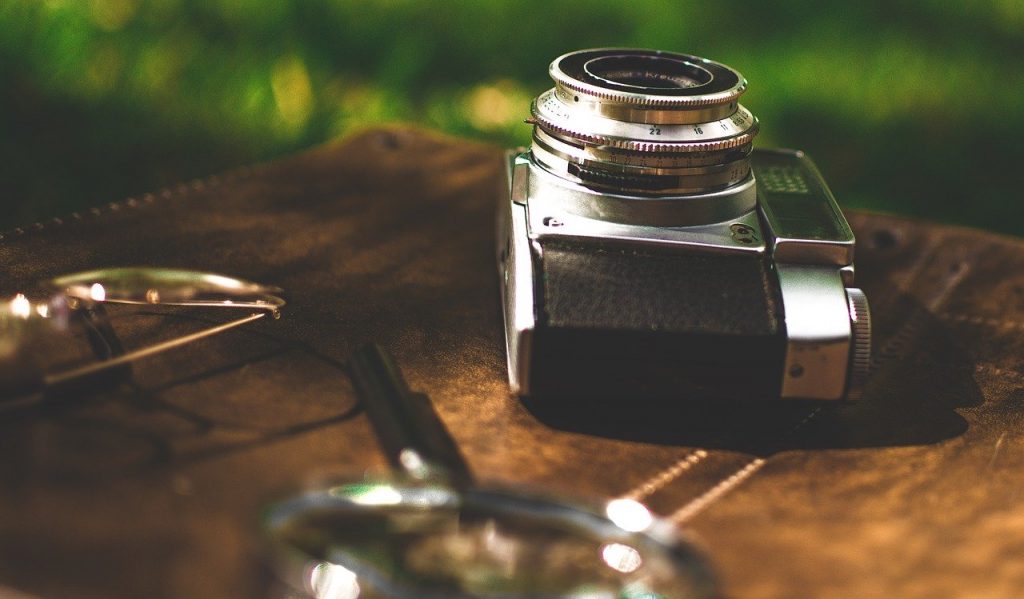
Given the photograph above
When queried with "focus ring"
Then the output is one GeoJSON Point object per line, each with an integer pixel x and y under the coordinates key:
{"type": "Point", "coordinates": [648, 146]}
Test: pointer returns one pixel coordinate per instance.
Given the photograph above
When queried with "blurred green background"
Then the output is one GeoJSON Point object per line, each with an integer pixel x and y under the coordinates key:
{"type": "Point", "coordinates": [913, 107]}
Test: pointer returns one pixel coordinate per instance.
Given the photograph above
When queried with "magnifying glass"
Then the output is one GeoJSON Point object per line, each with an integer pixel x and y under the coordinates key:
{"type": "Point", "coordinates": [430, 532]}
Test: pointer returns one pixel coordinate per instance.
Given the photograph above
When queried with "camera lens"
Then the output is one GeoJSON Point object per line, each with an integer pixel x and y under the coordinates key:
{"type": "Point", "coordinates": [644, 74]}
{"type": "Point", "coordinates": [644, 122]}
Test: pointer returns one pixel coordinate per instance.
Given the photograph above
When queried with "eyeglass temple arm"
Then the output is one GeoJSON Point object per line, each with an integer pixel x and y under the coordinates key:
{"type": "Point", "coordinates": [62, 378]}
{"type": "Point", "coordinates": [36, 389]}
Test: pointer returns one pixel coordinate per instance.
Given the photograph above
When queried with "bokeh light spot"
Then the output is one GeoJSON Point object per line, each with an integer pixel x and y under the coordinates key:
{"type": "Point", "coordinates": [112, 15]}
{"type": "Point", "coordinates": [293, 92]}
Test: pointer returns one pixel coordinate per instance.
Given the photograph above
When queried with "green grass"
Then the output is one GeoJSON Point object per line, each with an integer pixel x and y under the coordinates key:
{"type": "Point", "coordinates": [915, 107]}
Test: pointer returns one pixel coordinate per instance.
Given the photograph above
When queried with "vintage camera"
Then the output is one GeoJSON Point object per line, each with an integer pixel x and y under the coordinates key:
{"type": "Point", "coordinates": [645, 249]}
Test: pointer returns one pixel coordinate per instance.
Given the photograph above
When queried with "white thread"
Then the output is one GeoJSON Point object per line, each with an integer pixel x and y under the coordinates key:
{"type": "Point", "coordinates": [659, 480]}
{"type": "Point", "coordinates": [1009, 325]}
{"type": "Point", "coordinates": [696, 506]}
{"type": "Point", "coordinates": [997, 371]}
{"type": "Point", "coordinates": [806, 419]}
{"type": "Point", "coordinates": [951, 284]}
{"type": "Point", "coordinates": [919, 264]}
{"type": "Point", "coordinates": [149, 198]}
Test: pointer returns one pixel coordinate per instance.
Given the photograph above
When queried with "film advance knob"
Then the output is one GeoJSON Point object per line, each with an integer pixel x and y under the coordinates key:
{"type": "Point", "coordinates": [860, 347]}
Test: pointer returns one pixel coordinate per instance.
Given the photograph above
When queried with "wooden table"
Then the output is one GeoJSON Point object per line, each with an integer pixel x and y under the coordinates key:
{"type": "Point", "coordinates": [156, 488]}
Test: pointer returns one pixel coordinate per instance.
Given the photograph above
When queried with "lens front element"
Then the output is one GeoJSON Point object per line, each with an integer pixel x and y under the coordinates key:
{"type": "Point", "coordinates": [644, 74]}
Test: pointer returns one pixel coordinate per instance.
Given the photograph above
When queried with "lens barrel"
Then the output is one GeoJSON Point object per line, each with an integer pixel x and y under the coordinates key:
{"type": "Point", "coordinates": [644, 122]}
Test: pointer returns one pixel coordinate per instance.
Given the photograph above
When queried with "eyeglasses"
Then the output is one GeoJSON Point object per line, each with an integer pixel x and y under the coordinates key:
{"type": "Point", "coordinates": [78, 301]}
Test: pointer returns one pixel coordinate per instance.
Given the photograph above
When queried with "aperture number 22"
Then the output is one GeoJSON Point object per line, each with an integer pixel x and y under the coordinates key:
{"type": "Point", "coordinates": [655, 130]}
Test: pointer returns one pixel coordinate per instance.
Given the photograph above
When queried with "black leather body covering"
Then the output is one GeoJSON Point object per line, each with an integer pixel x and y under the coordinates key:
{"type": "Point", "coordinates": [618, 320]}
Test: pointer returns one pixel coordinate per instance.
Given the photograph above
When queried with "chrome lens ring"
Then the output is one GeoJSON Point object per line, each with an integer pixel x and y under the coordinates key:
{"type": "Point", "coordinates": [553, 115]}
{"type": "Point", "coordinates": [643, 173]}
{"type": "Point", "coordinates": [649, 78]}
{"type": "Point", "coordinates": [644, 122]}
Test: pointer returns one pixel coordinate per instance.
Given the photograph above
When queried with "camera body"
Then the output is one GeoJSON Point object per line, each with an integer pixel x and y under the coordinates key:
{"type": "Point", "coordinates": [645, 249]}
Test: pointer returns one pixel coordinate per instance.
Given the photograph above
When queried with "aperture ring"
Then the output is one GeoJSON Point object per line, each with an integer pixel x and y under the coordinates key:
{"type": "Point", "coordinates": [626, 182]}
{"type": "Point", "coordinates": [737, 130]}
{"type": "Point", "coordinates": [555, 116]}
{"type": "Point", "coordinates": [690, 163]}
{"type": "Point", "coordinates": [641, 146]}
{"type": "Point", "coordinates": [644, 114]}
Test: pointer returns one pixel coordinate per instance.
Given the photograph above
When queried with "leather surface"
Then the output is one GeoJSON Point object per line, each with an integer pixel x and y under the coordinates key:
{"type": "Point", "coordinates": [616, 320]}
{"type": "Point", "coordinates": [156, 488]}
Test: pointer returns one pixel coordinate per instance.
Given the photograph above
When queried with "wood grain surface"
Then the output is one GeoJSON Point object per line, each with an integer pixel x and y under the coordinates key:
{"type": "Point", "coordinates": [155, 489]}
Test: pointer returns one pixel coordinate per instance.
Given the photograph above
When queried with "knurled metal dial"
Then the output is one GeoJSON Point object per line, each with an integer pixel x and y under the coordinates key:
{"type": "Point", "coordinates": [644, 122]}
{"type": "Point", "coordinates": [558, 118]}
{"type": "Point", "coordinates": [860, 348]}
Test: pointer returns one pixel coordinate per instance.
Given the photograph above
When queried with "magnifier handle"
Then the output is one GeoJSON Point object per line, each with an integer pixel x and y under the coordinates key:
{"type": "Point", "coordinates": [409, 430]}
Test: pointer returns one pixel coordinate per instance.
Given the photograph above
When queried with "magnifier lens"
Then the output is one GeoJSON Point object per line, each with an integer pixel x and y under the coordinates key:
{"type": "Point", "coordinates": [411, 542]}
